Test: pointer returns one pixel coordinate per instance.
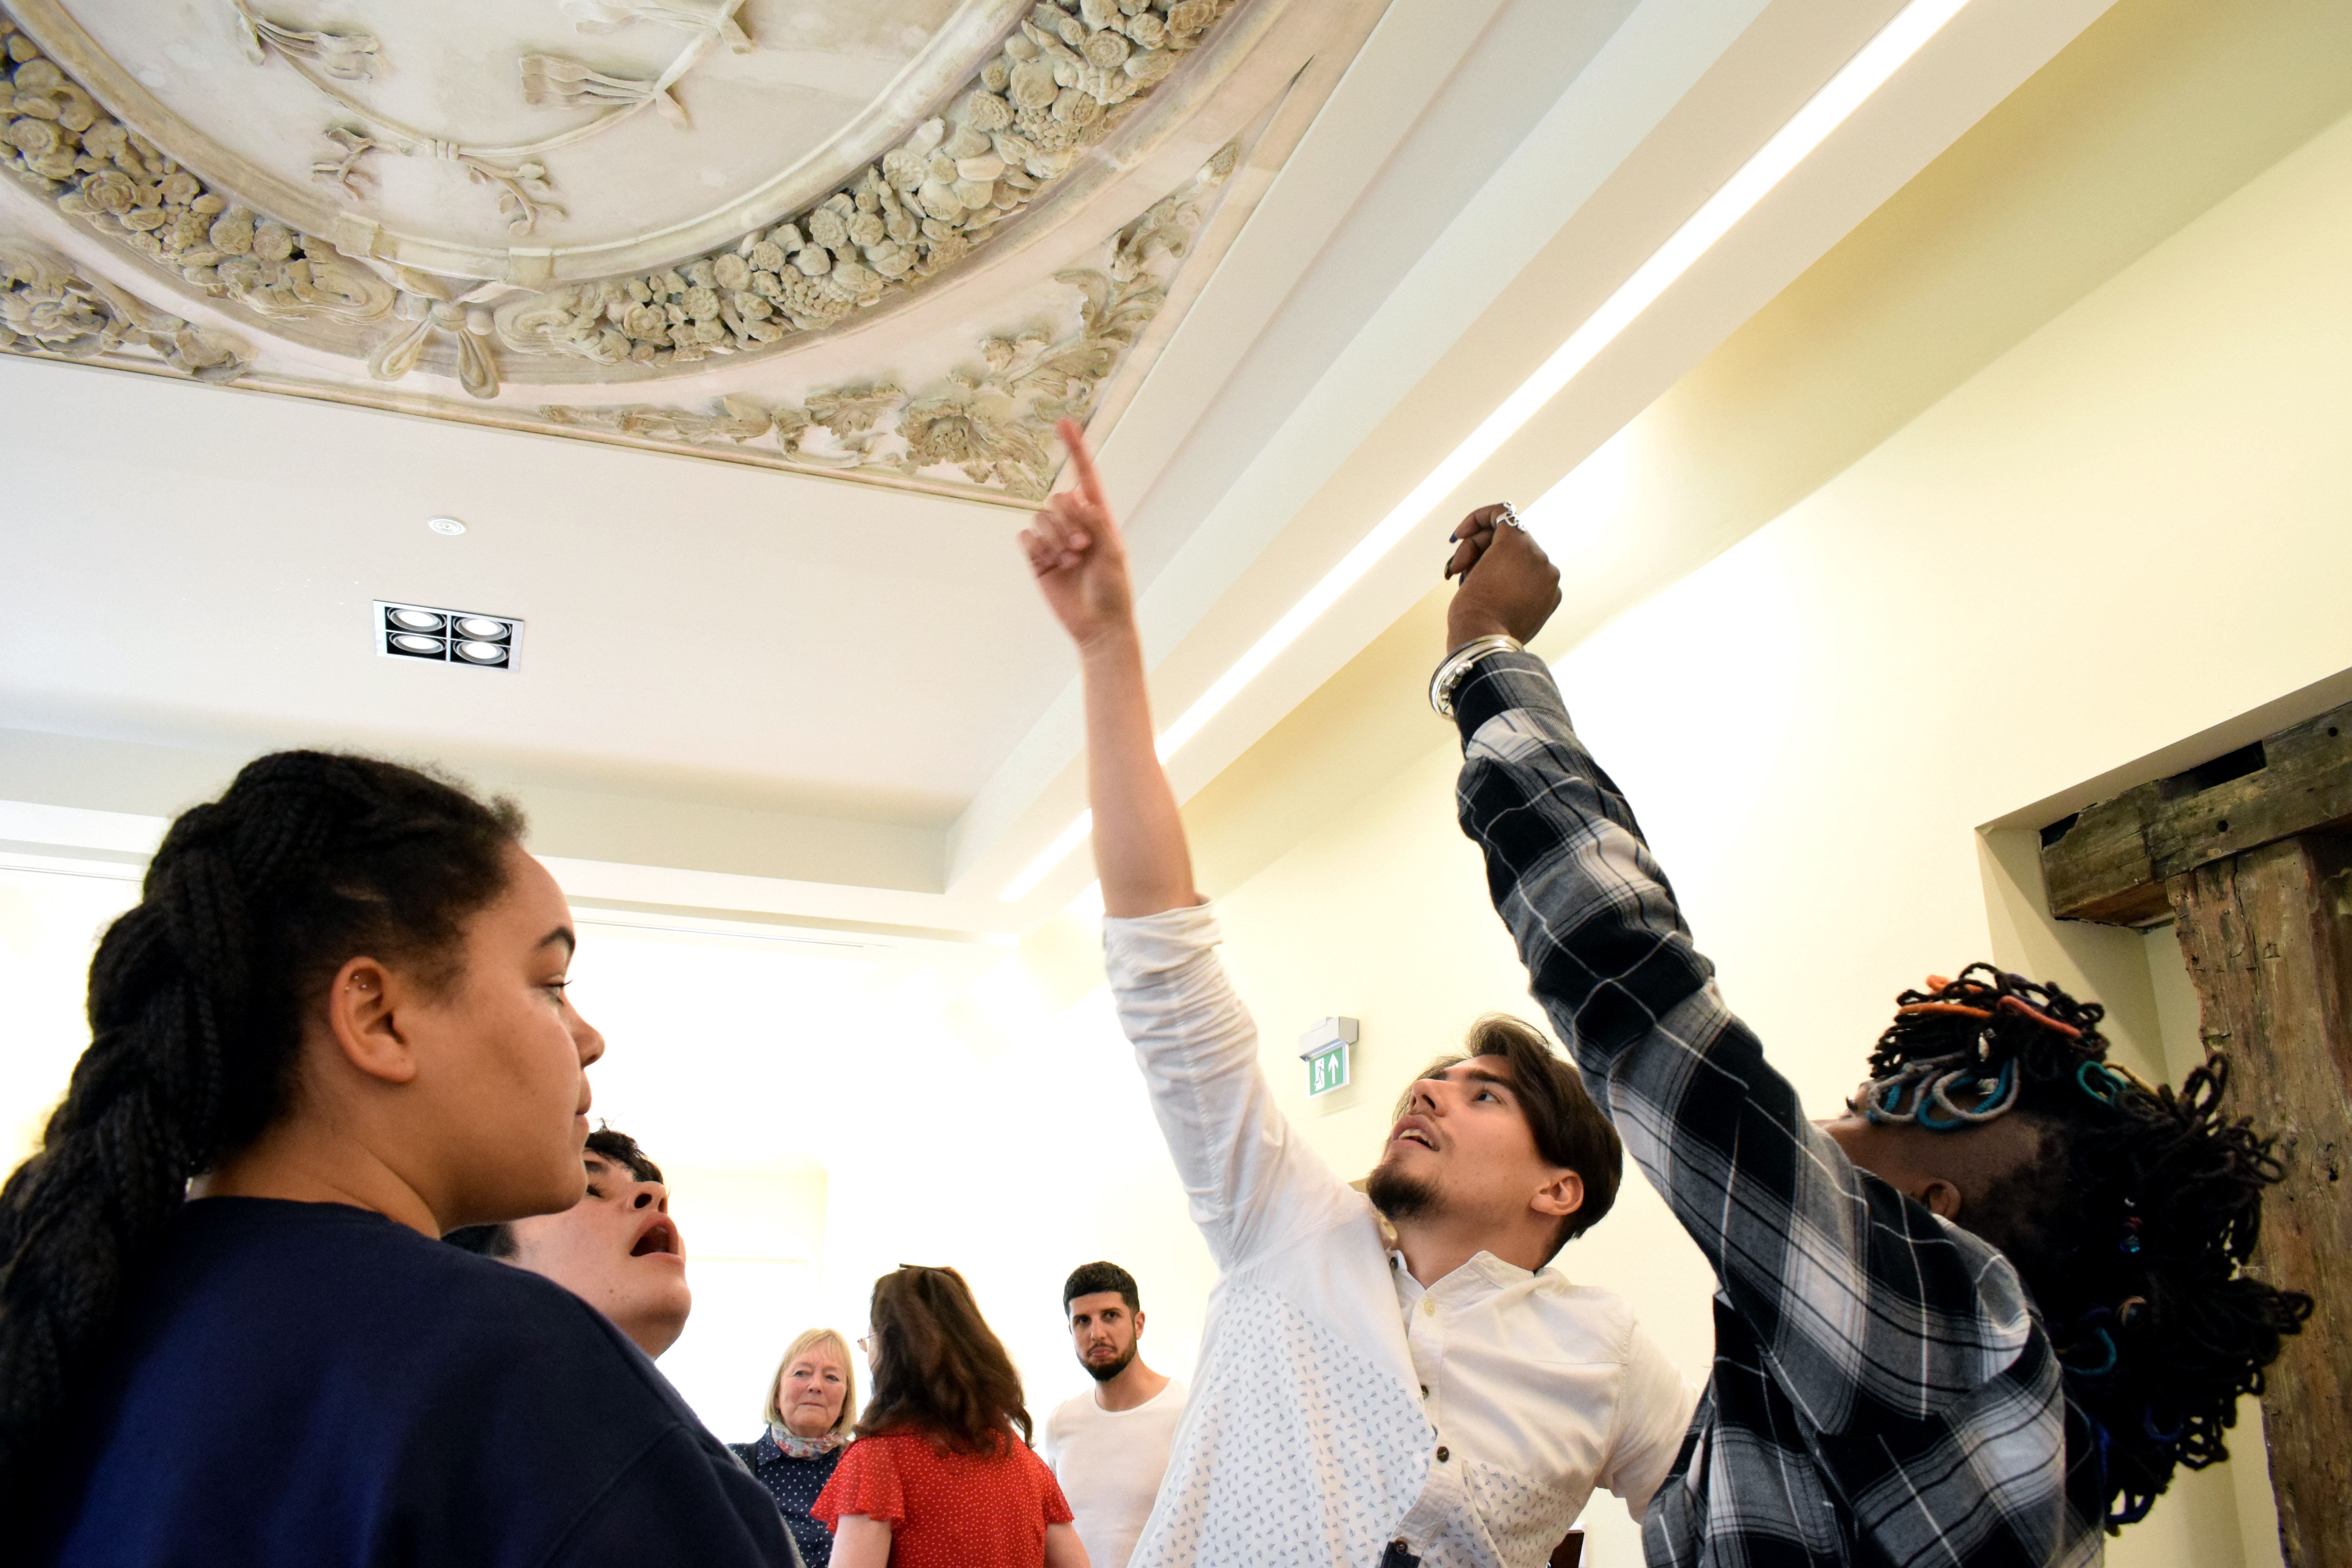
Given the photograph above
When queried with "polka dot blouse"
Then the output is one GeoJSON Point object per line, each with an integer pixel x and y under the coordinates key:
{"type": "Point", "coordinates": [794, 1484]}
{"type": "Point", "coordinates": [948, 1510]}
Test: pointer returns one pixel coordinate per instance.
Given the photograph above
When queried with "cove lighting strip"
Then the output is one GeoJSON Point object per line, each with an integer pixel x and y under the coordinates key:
{"type": "Point", "coordinates": [1830, 108]}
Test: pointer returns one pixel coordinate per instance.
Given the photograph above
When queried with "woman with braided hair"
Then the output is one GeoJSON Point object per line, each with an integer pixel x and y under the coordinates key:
{"type": "Point", "coordinates": [334, 1026]}
{"type": "Point", "coordinates": [1975, 1321]}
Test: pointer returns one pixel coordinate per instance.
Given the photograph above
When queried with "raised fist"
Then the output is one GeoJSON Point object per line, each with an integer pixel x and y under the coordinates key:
{"type": "Point", "coordinates": [1508, 584]}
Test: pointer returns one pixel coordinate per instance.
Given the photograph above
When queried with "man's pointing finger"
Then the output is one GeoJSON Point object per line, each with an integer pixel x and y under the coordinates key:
{"type": "Point", "coordinates": [1082, 462]}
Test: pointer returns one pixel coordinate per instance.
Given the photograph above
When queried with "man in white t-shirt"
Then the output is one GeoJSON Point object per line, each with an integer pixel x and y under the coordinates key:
{"type": "Point", "coordinates": [1109, 1448]}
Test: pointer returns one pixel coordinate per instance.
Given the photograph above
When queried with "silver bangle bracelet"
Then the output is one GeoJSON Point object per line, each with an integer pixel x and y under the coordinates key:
{"type": "Point", "coordinates": [1457, 663]}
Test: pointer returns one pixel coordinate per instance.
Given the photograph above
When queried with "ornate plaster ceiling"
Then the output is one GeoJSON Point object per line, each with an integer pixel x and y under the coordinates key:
{"type": "Point", "coordinates": [890, 240]}
{"type": "Point", "coordinates": [759, 690]}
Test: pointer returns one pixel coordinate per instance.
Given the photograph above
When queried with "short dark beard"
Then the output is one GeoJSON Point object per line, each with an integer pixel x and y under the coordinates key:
{"type": "Point", "coordinates": [1105, 1372]}
{"type": "Point", "coordinates": [1397, 1195]}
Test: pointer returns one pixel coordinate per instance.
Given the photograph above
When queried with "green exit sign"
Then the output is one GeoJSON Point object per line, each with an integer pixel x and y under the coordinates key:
{"type": "Point", "coordinates": [1327, 1070]}
{"type": "Point", "coordinates": [1324, 1049]}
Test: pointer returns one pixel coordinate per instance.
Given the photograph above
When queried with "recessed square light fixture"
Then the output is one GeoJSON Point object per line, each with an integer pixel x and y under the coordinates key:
{"type": "Point", "coordinates": [446, 637]}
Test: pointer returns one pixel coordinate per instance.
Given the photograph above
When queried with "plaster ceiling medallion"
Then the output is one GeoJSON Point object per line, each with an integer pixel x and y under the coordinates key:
{"type": "Point", "coordinates": [890, 240]}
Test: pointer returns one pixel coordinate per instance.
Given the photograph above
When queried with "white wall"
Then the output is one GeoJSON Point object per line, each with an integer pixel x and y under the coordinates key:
{"type": "Point", "coordinates": [51, 913]}
{"type": "Point", "coordinates": [822, 1115]}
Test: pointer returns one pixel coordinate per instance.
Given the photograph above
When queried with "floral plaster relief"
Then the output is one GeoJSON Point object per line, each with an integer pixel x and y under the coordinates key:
{"type": "Point", "coordinates": [47, 308]}
{"type": "Point", "coordinates": [994, 243]}
{"type": "Point", "coordinates": [445, 89]}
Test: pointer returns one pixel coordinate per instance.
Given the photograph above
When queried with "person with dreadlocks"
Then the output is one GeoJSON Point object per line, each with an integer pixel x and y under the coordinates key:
{"type": "Point", "coordinates": [334, 1027]}
{"type": "Point", "coordinates": [1973, 1320]}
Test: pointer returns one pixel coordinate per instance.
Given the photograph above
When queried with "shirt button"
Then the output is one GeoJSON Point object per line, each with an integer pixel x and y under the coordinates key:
{"type": "Point", "coordinates": [1428, 1308]}
{"type": "Point", "coordinates": [1442, 1455]}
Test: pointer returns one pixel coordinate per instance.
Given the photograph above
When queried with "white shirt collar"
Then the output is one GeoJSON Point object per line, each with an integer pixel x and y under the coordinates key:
{"type": "Point", "coordinates": [1481, 1276]}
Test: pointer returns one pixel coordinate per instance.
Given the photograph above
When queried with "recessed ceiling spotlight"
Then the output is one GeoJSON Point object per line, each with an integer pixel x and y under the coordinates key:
{"type": "Point", "coordinates": [446, 637]}
{"type": "Point", "coordinates": [448, 525]}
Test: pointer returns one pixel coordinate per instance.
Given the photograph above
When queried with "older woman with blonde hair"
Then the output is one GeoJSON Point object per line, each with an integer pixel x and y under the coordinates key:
{"type": "Point", "coordinates": [811, 1410]}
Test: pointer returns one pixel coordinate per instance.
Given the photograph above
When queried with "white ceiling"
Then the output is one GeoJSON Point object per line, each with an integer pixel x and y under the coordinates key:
{"type": "Point", "coordinates": [757, 690]}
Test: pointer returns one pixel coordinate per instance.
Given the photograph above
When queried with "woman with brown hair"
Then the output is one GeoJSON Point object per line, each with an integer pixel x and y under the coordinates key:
{"type": "Point", "coordinates": [941, 1475]}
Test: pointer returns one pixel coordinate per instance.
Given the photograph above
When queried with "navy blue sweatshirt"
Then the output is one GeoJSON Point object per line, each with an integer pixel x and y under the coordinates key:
{"type": "Point", "coordinates": [313, 1384]}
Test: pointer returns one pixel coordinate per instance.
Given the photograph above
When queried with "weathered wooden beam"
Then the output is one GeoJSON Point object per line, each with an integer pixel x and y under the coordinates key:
{"type": "Point", "coordinates": [2110, 862]}
{"type": "Point", "coordinates": [2268, 937]}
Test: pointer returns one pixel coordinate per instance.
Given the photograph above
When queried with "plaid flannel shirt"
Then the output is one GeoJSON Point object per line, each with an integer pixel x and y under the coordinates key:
{"type": "Point", "coordinates": [1882, 1392]}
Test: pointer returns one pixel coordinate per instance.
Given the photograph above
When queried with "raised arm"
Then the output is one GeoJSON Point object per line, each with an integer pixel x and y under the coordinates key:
{"type": "Point", "coordinates": [1251, 1185]}
{"type": "Point", "coordinates": [1849, 1285]}
{"type": "Point", "coordinates": [1076, 548]}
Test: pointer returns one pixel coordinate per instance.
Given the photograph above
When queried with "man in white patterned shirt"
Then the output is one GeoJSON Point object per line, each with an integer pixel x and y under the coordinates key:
{"type": "Point", "coordinates": [1446, 1399]}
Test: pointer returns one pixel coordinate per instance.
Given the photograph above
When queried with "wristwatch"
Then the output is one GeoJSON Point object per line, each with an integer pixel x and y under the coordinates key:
{"type": "Point", "coordinates": [1457, 663]}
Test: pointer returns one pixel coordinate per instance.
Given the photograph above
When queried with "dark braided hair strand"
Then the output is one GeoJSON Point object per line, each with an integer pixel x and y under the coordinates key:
{"type": "Point", "coordinates": [197, 1000]}
{"type": "Point", "coordinates": [2132, 1230]}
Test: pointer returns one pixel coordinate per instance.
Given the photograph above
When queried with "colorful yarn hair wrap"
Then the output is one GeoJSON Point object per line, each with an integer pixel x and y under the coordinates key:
{"type": "Point", "coordinates": [2129, 1218]}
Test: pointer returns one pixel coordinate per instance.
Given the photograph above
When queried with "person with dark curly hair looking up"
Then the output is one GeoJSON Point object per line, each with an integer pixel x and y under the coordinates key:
{"type": "Point", "coordinates": [617, 1248]}
{"type": "Point", "coordinates": [335, 1026]}
{"type": "Point", "coordinates": [1977, 1319]}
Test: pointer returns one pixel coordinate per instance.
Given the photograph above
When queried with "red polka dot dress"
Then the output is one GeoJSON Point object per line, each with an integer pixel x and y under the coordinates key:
{"type": "Point", "coordinates": [948, 1510]}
